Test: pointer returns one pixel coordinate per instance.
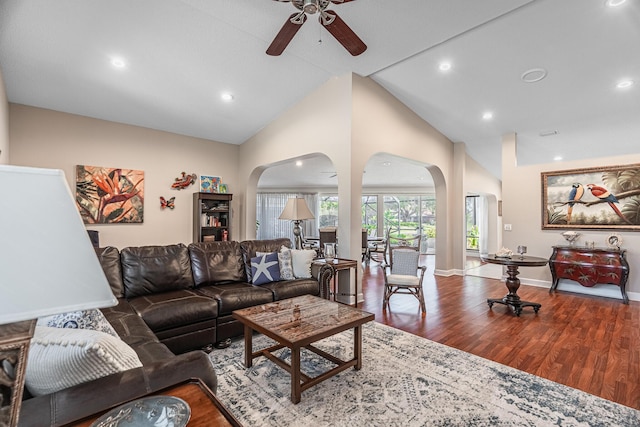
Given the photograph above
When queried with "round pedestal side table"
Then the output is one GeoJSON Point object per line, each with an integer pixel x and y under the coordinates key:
{"type": "Point", "coordinates": [512, 299]}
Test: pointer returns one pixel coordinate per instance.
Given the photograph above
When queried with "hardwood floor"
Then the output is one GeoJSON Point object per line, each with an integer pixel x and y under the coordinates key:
{"type": "Point", "coordinates": [589, 343]}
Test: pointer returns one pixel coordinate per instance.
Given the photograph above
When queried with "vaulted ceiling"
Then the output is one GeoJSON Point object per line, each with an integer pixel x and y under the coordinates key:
{"type": "Point", "coordinates": [180, 56]}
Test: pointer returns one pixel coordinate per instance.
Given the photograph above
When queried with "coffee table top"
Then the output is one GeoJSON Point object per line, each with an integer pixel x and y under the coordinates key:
{"type": "Point", "coordinates": [302, 320]}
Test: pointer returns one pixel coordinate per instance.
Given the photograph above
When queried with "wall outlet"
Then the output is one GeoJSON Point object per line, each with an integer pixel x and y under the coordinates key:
{"type": "Point", "coordinates": [507, 227]}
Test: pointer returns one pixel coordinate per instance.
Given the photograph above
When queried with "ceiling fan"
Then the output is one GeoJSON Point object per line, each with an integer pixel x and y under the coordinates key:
{"type": "Point", "coordinates": [328, 18]}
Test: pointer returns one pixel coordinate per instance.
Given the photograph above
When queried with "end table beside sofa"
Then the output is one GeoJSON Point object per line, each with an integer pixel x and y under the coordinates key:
{"type": "Point", "coordinates": [173, 301]}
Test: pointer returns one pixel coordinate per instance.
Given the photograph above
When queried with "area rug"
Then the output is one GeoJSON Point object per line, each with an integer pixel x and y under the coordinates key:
{"type": "Point", "coordinates": [405, 381]}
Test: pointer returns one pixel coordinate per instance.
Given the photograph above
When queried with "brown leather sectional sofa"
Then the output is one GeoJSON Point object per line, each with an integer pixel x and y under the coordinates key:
{"type": "Point", "coordinates": [173, 300]}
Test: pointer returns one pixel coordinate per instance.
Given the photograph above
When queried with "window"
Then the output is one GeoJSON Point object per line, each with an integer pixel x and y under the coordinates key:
{"type": "Point", "coordinates": [405, 215]}
{"type": "Point", "coordinates": [269, 206]}
{"type": "Point", "coordinates": [472, 211]}
{"type": "Point", "coordinates": [328, 213]}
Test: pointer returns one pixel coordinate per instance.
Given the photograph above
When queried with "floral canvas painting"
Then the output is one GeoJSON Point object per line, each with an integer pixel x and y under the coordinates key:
{"type": "Point", "coordinates": [595, 198]}
{"type": "Point", "coordinates": [209, 184]}
{"type": "Point", "coordinates": [109, 195]}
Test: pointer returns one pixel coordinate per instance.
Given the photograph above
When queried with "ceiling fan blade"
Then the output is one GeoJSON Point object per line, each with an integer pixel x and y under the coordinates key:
{"type": "Point", "coordinates": [345, 35]}
{"type": "Point", "coordinates": [286, 33]}
{"type": "Point", "coordinates": [340, 1]}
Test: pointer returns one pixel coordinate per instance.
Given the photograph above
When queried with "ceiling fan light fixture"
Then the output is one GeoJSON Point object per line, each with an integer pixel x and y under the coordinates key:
{"type": "Point", "coordinates": [310, 6]}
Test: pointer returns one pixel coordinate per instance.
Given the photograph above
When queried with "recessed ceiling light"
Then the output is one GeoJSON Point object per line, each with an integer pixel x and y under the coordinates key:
{"type": "Point", "coordinates": [226, 96]}
{"type": "Point", "coordinates": [487, 115]}
{"type": "Point", "coordinates": [118, 62]}
{"type": "Point", "coordinates": [623, 84]}
{"type": "Point", "coordinates": [298, 163]}
{"type": "Point", "coordinates": [386, 164]}
{"type": "Point", "coordinates": [444, 66]}
{"type": "Point", "coordinates": [557, 158]}
{"type": "Point", "coordinates": [614, 3]}
{"type": "Point", "coordinates": [533, 75]}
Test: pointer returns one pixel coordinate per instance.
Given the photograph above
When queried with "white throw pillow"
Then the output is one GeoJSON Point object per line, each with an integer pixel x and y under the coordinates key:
{"type": "Point", "coordinates": [82, 319]}
{"type": "Point", "coordinates": [62, 357]}
{"type": "Point", "coordinates": [301, 260]}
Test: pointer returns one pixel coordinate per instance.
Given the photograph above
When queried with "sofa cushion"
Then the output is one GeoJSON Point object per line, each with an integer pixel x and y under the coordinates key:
{"type": "Point", "coordinates": [250, 248]}
{"type": "Point", "coordinates": [109, 258]}
{"type": "Point", "coordinates": [152, 269]}
{"type": "Point", "coordinates": [217, 262]}
{"type": "Point", "coordinates": [286, 263]}
{"type": "Point", "coordinates": [302, 260]}
{"type": "Point", "coordinates": [62, 357]}
{"type": "Point", "coordinates": [265, 269]}
{"type": "Point", "coordinates": [82, 319]}
{"type": "Point", "coordinates": [293, 288]}
{"type": "Point", "coordinates": [169, 310]}
{"type": "Point", "coordinates": [234, 296]}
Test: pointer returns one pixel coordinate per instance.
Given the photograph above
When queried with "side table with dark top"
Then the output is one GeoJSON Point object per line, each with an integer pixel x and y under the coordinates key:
{"type": "Point", "coordinates": [512, 299]}
{"type": "Point", "coordinates": [342, 264]}
{"type": "Point", "coordinates": [206, 409]}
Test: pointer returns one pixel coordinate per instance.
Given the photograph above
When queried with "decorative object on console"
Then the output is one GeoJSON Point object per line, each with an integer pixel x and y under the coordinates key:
{"type": "Point", "coordinates": [184, 181]}
{"type": "Point", "coordinates": [504, 253]}
{"type": "Point", "coordinates": [614, 241]}
{"type": "Point", "coordinates": [223, 189]}
{"type": "Point", "coordinates": [593, 198]}
{"type": "Point", "coordinates": [571, 237]}
{"type": "Point", "coordinates": [68, 276]}
{"type": "Point", "coordinates": [209, 184]}
{"type": "Point", "coordinates": [521, 250]}
{"type": "Point", "coordinates": [164, 203]}
{"type": "Point", "coordinates": [109, 195]}
{"type": "Point", "coordinates": [296, 210]}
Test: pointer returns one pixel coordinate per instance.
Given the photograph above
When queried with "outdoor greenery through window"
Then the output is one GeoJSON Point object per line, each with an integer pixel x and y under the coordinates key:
{"type": "Point", "coordinates": [403, 216]}
{"type": "Point", "coordinates": [473, 234]}
{"type": "Point", "coordinates": [328, 216]}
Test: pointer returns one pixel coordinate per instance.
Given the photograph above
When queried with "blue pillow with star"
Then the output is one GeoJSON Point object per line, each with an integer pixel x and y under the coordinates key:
{"type": "Point", "coordinates": [265, 269]}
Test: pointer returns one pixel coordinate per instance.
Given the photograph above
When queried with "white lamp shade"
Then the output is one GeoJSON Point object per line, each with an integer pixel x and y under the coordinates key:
{"type": "Point", "coordinates": [47, 262]}
{"type": "Point", "coordinates": [296, 209]}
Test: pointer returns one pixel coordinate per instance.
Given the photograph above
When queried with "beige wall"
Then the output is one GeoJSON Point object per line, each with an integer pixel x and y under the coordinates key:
{"type": "Point", "coordinates": [4, 123]}
{"type": "Point", "coordinates": [349, 119]}
{"type": "Point", "coordinates": [50, 139]}
{"type": "Point", "coordinates": [522, 208]}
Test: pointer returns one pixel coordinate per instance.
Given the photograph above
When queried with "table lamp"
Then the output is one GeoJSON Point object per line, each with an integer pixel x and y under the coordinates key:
{"type": "Point", "coordinates": [47, 266]}
{"type": "Point", "coordinates": [296, 210]}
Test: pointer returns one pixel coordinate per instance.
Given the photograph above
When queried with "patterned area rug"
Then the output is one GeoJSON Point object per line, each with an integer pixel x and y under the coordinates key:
{"type": "Point", "coordinates": [405, 381]}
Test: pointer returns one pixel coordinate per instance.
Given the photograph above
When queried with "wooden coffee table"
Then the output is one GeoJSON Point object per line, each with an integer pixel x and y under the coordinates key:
{"type": "Point", "coordinates": [296, 323]}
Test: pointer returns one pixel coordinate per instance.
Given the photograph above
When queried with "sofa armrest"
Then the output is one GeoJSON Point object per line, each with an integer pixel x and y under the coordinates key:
{"type": "Point", "coordinates": [324, 273]}
{"type": "Point", "coordinates": [86, 399]}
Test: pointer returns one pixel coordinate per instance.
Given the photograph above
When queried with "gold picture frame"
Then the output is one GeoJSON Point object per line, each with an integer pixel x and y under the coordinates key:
{"type": "Point", "coordinates": [599, 198]}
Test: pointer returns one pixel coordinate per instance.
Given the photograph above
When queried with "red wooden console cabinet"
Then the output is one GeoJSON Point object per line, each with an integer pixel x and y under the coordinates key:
{"type": "Point", "coordinates": [589, 267]}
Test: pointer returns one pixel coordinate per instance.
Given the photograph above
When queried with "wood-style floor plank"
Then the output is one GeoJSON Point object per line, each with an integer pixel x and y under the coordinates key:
{"type": "Point", "coordinates": [586, 342]}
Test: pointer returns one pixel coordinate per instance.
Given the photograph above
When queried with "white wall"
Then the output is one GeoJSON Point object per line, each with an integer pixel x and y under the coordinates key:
{"type": "Point", "coordinates": [522, 208]}
{"type": "Point", "coordinates": [50, 139]}
{"type": "Point", "coordinates": [4, 123]}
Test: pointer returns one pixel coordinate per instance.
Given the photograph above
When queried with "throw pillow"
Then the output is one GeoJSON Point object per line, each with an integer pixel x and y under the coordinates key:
{"type": "Point", "coordinates": [61, 357]}
{"type": "Point", "coordinates": [265, 269]}
{"type": "Point", "coordinates": [286, 264]}
{"type": "Point", "coordinates": [83, 319]}
{"type": "Point", "coordinates": [301, 260]}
